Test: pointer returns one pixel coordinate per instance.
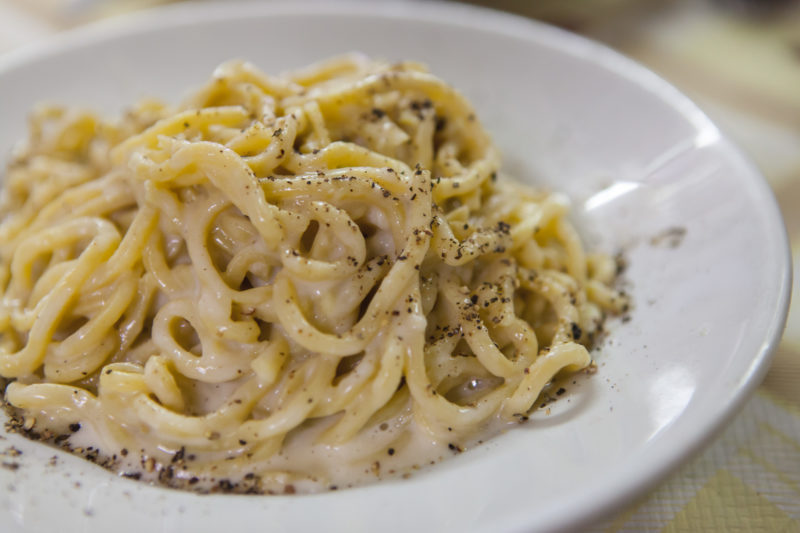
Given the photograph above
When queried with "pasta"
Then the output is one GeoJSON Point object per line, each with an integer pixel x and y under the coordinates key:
{"type": "Point", "coordinates": [288, 283]}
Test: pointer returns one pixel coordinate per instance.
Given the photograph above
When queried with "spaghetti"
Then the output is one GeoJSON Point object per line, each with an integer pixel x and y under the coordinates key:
{"type": "Point", "coordinates": [270, 286]}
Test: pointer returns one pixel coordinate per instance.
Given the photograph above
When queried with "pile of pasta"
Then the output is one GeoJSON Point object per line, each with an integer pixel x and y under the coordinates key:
{"type": "Point", "coordinates": [330, 248]}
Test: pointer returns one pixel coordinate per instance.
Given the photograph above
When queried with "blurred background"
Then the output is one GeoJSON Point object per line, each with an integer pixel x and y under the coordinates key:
{"type": "Point", "coordinates": [739, 60]}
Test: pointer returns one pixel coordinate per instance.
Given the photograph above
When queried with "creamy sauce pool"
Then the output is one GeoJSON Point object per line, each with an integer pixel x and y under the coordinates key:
{"type": "Point", "coordinates": [302, 466]}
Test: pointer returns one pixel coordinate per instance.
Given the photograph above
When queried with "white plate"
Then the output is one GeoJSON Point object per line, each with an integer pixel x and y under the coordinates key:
{"type": "Point", "coordinates": [636, 157]}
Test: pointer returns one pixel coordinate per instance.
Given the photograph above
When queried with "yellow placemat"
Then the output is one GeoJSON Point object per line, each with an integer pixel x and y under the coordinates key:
{"type": "Point", "coordinates": [748, 480]}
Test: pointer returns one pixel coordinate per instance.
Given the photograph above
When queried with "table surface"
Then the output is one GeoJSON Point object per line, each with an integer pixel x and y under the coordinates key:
{"type": "Point", "coordinates": [740, 61]}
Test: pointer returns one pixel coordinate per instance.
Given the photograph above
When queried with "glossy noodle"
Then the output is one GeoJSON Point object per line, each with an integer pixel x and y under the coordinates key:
{"type": "Point", "coordinates": [284, 281]}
